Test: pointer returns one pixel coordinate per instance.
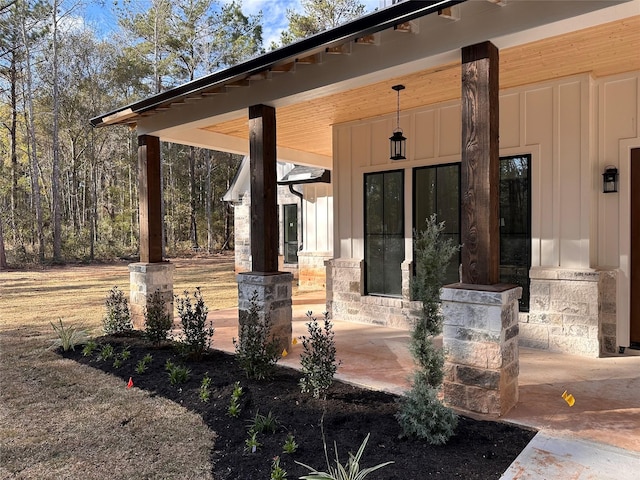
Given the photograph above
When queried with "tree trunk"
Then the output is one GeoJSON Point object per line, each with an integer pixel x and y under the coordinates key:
{"type": "Point", "coordinates": [3, 257]}
{"type": "Point", "coordinates": [31, 129]}
{"type": "Point", "coordinates": [192, 198]}
{"type": "Point", "coordinates": [208, 200]}
{"type": "Point", "coordinates": [14, 148]}
{"type": "Point", "coordinates": [56, 201]}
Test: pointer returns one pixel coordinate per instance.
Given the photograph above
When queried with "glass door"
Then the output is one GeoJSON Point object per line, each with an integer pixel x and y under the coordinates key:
{"type": "Point", "coordinates": [291, 233]}
{"type": "Point", "coordinates": [384, 232]}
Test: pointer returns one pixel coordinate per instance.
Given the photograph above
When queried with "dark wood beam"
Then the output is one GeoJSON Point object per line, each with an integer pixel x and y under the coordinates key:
{"type": "Point", "coordinates": [150, 198]}
{"type": "Point", "coordinates": [264, 202]}
{"type": "Point", "coordinates": [480, 165]}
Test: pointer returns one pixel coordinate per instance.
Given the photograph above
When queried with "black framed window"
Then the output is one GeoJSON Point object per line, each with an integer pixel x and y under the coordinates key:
{"type": "Point", "coordinates": [384, 232]}
{"type": "Point", "coordinates": [436, 190]}
{"type": "Point", "coordinates": [515, 223]}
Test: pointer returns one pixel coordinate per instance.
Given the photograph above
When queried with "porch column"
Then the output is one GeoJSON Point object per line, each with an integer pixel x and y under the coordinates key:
{"type": "Point", "coordinates": [270, 289]}
{"type": "Point", "coordinates": [480, 165]}
{"type": "Point", "coordinates": [151, 273]}
{"type": "Point", "coordinates": [480, 317]}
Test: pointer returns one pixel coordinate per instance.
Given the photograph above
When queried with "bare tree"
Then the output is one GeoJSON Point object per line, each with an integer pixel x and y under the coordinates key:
{"type": "Point", "coordinates": [33, 144]}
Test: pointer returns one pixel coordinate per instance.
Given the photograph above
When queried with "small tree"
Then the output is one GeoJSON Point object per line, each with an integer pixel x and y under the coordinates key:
{"type": "Point", "coordinates": [421, 413]}
{"type": "Point", "coordinates": [157, 320]}
{"type": "Point", "coordinates": [197, 332]}
{"type": "Point", "coordinates": [117, 318]}
{"type": "Point", "coordinates": [256, 350]}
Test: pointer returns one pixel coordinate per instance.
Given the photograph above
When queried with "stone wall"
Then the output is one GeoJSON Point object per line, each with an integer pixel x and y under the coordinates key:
{"type": "Point", "coordinates": [144, 280]}
{"type": "Point", "coordinates": [480, 337]}
{"type": "Point", "coordinates": [312, 273]}
{"type": "Point", "coordinates": [571, 311]}
{"type": "Point", "coordinates": [346, 299]}
{"type": "Point", "coordinates": [242, 232]}
{"type": "Point", "coordinates": [607, 287]}
{"type": "Point", "coordinates": [273, 297]}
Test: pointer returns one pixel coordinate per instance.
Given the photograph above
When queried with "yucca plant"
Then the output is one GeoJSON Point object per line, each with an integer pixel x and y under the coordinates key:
{"type": "Point", "coordinates": [68, 337]}
{"type": "Point", "coordinates": [350, 471]}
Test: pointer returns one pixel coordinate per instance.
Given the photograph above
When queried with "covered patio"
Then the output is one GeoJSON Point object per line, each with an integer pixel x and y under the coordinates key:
{"type": "Point", "coordinates": [327, 101]}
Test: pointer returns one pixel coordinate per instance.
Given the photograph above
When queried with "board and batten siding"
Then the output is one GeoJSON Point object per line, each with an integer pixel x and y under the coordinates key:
{"type": "Point", "coordinates": [572, 128]}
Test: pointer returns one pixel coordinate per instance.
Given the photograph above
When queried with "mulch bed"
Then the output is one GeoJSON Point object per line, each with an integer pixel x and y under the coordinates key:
{"type": "Point", "coordinates": [479, 449]}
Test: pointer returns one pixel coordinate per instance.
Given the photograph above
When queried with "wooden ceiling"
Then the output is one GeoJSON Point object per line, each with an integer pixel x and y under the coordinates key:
{"type": "Point", "coordinates": [603, 50]}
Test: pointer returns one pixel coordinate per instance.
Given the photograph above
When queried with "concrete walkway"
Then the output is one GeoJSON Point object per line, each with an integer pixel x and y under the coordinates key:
{"type": "Point", "coordinates": [597, 438]}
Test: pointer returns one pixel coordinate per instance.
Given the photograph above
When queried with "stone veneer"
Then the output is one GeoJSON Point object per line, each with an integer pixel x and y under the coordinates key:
{"type": "Point", "coordinates": [273, 295]}
{"type": "Point", "coordinates": [241, 234]}
{"type": "Point", "coordinates": [346, 299]}
{"type": "Point", "coordinates": [607, 288]}
{"type": "Point", "coordinates": [144, 280]}
{"type": "Point", "coordinates": [480, 338]}
{"type": "Point", "coordinates": [571, 311]}
{"type": "Point", "coordinates": [312, 273]}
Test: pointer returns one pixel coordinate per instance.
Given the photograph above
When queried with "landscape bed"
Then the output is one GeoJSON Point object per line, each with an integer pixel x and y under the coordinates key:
{"type": "Point", "coordinates": [478, 450]}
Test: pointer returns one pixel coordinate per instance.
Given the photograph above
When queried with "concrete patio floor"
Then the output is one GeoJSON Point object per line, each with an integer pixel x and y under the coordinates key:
{"type": "Point", "coordinates": [597, 438]}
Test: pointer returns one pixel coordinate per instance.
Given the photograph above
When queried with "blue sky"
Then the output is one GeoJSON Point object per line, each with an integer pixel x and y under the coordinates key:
{"type": "Point", "coordinates": [99, 14]}
{"type": "Point", "coordinates": [274, 14]}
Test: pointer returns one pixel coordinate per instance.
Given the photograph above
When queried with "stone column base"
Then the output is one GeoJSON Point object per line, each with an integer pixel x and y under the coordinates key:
{"type": "Point", "coordinates": [273, 295]}
{"type": "Point", "coordinates": [480, 338]}
{"type": "Point", "coordinates": [144, 280]}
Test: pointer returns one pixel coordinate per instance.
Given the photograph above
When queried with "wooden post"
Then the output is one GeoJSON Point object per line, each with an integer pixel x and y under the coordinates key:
{"type": "Point", "coordinates": [150, 196]}
{"type": "Point", "coordinates": [264, 202]}
{"type": "Point", "coordinates": [480, 165]}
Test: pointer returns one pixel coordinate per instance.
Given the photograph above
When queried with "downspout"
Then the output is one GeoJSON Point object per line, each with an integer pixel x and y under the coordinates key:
{"type": "Point", "coordinates": [301, 197]}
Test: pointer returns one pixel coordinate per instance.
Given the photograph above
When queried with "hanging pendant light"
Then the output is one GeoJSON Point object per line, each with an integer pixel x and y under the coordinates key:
{"type": "Point", "coordinates": [398, 142]}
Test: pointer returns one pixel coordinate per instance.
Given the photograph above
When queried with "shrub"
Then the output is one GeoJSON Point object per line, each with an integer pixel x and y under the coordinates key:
{"type": "Point", "coordinates": [234, 404]}
{"type": "Point", "coordinates": [205, 388]}
{"type": "Point", "coordinates": [421, 414]}
{"type": "Point", "coordinates": [350, 471]}
{"type": "Point", "coordinates": [196, 331]}
{"type": "Point", "coordinates": [122, 357]}
{"type": "Point", "coordinates": [106, 352]}
{"type": "Point", "coordinates": [88, 349]}
{"type": "Point", "coordinates": [142, 365]}
{"type": "Point", "coordinates": [117, 317]}
{"type": "Point", "coordinates": [290, 445]}
{"type": "Point", "coordinates": [256, 352]}
{"type": "Point", "coordinates": [277, 472]}
{"type": "Point", "coordinates": [251, 444]}
{"type": "Point", "coordinates": [157, 320]}
{"type": "Point", "coordinates": [318, 357]}
{"type": "Point", "coordinates": [68, 337]}
{"type": "Point", "coordinates": [264, 423]}
{"type": "Point", "coordinates": [177, 373]}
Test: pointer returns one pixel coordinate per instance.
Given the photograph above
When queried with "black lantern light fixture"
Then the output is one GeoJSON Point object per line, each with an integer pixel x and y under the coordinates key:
{"type": "Point", "coordinates": [398, 142]}
{"type": "Point", "coordinates": [610, 180]}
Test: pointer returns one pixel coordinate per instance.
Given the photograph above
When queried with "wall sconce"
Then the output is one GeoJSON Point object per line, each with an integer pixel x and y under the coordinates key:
{"type": "Point", "coordinates": [610, 180]}
{"type": "Point", "coordinates": [398, 142]}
